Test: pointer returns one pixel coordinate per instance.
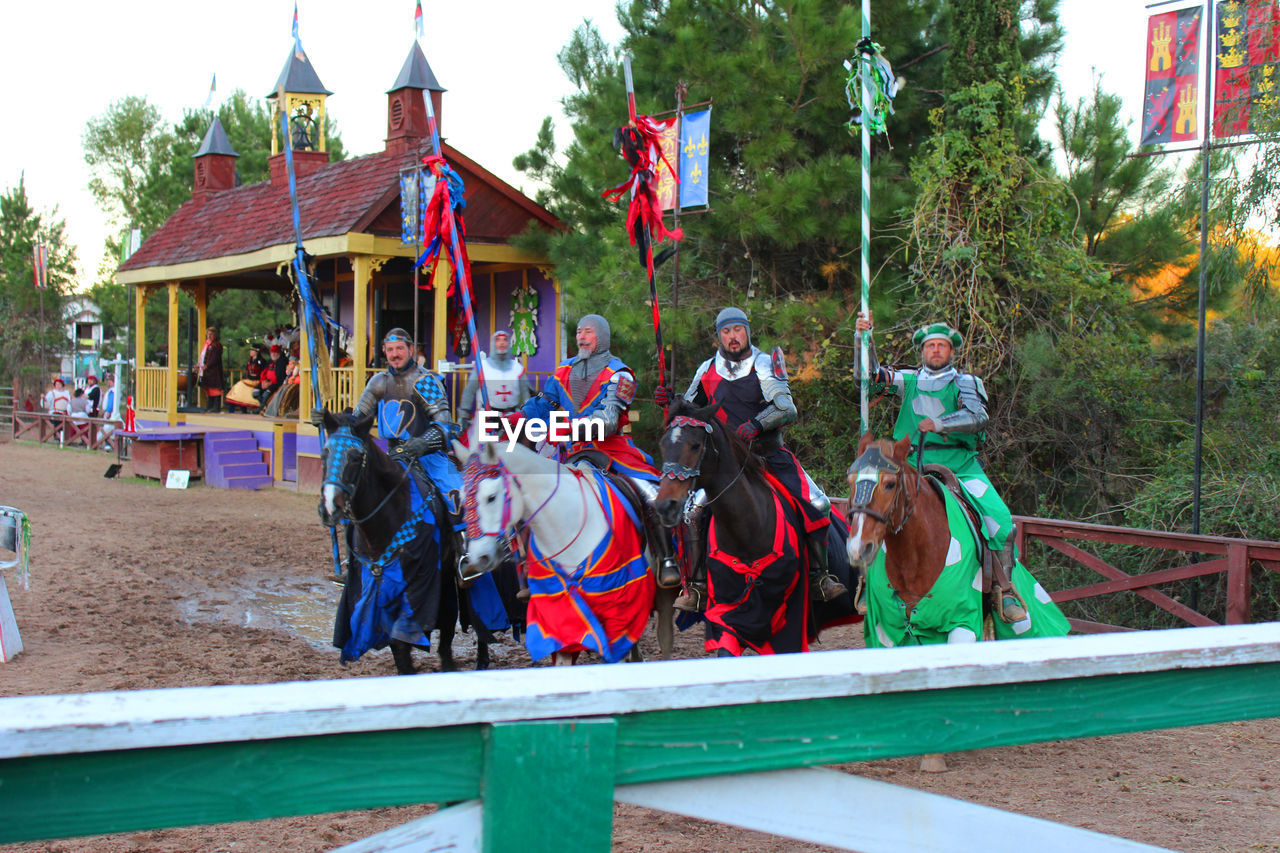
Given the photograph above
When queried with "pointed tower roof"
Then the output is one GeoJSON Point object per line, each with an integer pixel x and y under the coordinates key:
{"type": "Point", "coordinates": [215, 141]}
{"type": "Point", "coordinates": [299, 76]}
{"type": "Point", "coordinates": [416, 73]}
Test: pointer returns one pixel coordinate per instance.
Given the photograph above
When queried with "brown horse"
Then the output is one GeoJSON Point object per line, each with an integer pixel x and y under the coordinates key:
{"type": "Point", "coordinates": [888, 507]}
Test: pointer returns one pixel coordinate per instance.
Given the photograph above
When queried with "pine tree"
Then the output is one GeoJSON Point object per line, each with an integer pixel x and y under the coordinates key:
{"type": "Point", "coordinates": [21, 327]}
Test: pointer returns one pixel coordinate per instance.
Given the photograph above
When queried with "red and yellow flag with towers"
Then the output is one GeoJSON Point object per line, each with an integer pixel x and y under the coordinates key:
{"type": "Point", "coordinates": [1169, 111]}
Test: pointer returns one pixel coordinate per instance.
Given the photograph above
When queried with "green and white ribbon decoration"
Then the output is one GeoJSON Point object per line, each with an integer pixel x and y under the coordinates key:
{"type": "Point", "coordinates": [883, 86]}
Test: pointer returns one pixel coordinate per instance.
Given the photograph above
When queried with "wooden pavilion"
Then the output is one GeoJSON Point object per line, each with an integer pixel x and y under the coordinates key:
{"type": "Point", "coordinates": [241, 237]}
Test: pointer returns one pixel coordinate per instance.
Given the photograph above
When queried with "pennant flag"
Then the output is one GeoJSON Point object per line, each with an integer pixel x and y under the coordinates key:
{"type": "Point", "coordinates": [1172, 73]}
{"type": "Point", "coordinates": [297, 41]}
{"type": "Point", "coordinates": [40, 265]}
{"type": "Point", "coordinates": [417, 18]}
{"type": "Point", "coordinates": [213, 87]}
{"type": "Point", "coordinates": [695, 155]}
{"type": "Point", "coordinates": [1245, 58]}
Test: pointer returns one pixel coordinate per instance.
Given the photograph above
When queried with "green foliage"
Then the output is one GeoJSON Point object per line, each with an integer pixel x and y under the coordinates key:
{"type": "Point", "coordinates": [142, 172]}
{"type": "Point", "coordinates": [784, 171]}
{"type": "Point", "coordinates": [22, 307]}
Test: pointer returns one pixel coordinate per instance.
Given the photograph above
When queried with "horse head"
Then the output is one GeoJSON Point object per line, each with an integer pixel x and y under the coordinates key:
{"type": "Point", "coordinates": [685, 463]}
{"type": "Point", "coordinates": [878, 501]}
{"type": "Point", "coordinates": [492, 504]}
{"type": "Point", "coordinates": [344, 460]}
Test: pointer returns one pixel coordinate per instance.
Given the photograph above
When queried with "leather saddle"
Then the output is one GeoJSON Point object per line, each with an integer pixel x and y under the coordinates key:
{"type": "Point", "coordinates": [600, 461]}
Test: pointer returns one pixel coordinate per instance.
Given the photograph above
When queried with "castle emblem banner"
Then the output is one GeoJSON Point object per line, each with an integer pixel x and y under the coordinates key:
{"type": "Point", "coordinates": [1169, 111]}
{"type": "Point", "coordinates": [1245, 67]}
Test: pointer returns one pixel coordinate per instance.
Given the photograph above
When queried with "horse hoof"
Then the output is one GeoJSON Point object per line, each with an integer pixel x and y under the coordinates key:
{"type": "Point", "coordinates": [933, 764]}
{"type": "Point", "coordinates": [448, 665]}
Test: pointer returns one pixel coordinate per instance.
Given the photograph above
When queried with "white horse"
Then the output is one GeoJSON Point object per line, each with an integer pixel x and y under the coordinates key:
{"type": "Point", "coordinates": [586, 545]}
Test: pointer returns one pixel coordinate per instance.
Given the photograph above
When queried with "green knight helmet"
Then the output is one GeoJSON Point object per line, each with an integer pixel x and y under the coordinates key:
{"type": "Point", "coordinates": [937, 332]}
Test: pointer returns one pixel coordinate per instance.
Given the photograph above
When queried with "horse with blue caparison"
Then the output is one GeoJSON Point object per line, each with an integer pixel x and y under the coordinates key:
{"type": "Point", "coordinates": [399, 585]}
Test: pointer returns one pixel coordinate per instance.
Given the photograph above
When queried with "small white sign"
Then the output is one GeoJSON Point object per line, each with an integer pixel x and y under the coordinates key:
{"type": "Point", "coordinates": [177, 479]}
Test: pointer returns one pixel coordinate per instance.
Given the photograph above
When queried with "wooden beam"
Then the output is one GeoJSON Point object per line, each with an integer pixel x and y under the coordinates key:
{"type": "Point", "coordinates": [454, 829]}
{"type": "Point", "coordinates": [546, 782]}
{"type": "Point", "coordinates": [171, 375]}
{"type": "Point", "coordinates": [1105, 569]}
{"type": "Point", "coordinates": [847, 812]}
{"type": "Point", "coordinates": [140, 297]}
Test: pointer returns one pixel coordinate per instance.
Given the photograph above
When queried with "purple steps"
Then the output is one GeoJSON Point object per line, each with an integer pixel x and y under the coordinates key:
{"type": "Point", "coordinates": [232, 461]}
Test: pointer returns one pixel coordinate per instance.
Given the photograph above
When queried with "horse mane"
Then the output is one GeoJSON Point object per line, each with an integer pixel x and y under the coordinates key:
{"type": "Point", "coordinates": [360, 428]}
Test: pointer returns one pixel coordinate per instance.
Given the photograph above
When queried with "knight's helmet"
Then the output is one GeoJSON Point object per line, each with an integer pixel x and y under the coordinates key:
{"type": "Point", "coordinates": [733, 317]}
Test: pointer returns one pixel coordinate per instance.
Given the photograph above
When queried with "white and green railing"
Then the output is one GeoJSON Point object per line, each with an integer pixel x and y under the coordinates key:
{"type": "Point", "coordinates": [536, 758]}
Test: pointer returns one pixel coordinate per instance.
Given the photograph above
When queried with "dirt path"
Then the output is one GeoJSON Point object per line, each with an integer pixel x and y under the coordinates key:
{"type": "Point", "coordinates": [135, 586]}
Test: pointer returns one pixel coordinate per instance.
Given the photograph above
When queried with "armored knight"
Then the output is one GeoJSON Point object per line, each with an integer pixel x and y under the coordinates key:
{"type": "Point", "coordinates": [506, 385]}
{"type": "Point", "coordinates": [596, 385]}
{"type": "Point", "coordinates": [755, 402]}
{"type": "Point", "coordinates": [949, 408]}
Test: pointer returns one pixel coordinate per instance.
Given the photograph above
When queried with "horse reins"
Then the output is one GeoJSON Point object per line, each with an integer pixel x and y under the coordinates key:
{"type": "Point", "coordinates": [865, 486]}
{"type": "Point", "coordinates": [345, 443]}
{"type": "Point", "coordinates": [676, 471]}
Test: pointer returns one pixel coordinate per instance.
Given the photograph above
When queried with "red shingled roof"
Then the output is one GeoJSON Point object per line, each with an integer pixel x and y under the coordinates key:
{"type": "Point", "coordinates": [361, 194]}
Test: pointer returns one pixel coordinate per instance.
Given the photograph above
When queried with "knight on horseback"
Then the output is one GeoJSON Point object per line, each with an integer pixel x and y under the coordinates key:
{"type": "Point", "coordinates": [949, 408]}
{"type": "Point", "coordinates": [751, 390]}
{"type": "Point", "coordinates": [596, 385]}
{"type": "Point", "coordinates": [413, 416]}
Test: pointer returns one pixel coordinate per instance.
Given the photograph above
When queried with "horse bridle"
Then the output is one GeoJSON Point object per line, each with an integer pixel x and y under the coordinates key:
{"type": "Point", "coordinates": [678, 472]}
{"type": "Point", "coordinates": [868, 468]}
{"type": "Point", "coordinates": [344, 441]}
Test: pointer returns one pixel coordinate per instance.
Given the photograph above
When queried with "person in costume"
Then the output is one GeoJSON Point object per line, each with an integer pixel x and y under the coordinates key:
{"type": "Point", "coordinates": [598, 386]}
{"type": "Point", "coordinates": [413, 416]}
{"type": "Point", "coordinates": [949, 409]}
{"type": "Point", "coordinates": [506, 384]}
{"type": "Point", "coordinates": [755, 402]}
{"type": "Point", "coordinates": [93, 394]}
{"type": "Point", "coordinates": [58, 400]}
{"type": "Point", "coordinates": [210, 369]}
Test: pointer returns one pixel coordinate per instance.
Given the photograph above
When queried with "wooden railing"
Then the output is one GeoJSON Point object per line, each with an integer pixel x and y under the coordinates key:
{"type": "Point", "coordinates": [1228, 555]}
{"type": "Point", "coordinates": [151, 391]}
{"type": "Point", "coordinates": [538, 757]}
{"type": "Point", "coordinates": [63, 430]}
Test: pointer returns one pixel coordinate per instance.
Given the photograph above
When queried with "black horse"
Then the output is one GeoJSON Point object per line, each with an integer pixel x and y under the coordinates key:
{"type": "Point", "coordinates": [757, 559]}
{"type": "Point", "coordinates": [398, 589]}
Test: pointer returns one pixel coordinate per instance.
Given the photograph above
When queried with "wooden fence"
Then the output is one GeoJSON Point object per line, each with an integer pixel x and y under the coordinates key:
{"type": "Point", "coordinates": [1229, 555]}
{"type": "Point", "coordinates": [7, 406]}
{"type": "Point", "coordinates": [538, 757]}
{"type": "Point", "coordinates": [64, 430]}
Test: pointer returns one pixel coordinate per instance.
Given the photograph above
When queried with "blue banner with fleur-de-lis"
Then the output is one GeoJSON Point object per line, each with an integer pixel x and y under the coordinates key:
{"type": "Point", "coordinates": [695, 151]}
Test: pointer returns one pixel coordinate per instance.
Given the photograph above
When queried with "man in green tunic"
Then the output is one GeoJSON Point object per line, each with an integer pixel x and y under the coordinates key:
{"type": "Point", "coordinates": [949, 408]}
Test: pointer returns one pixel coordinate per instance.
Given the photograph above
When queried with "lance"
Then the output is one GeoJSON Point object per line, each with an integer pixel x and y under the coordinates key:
{"type": "Point", "coordinates": [648, 241]}
{"type": "Point", "coordinates": [865, 383]}
{"type": "Point", "coordinates": [457, 252]}
{"type": "Point", "coordinates": [306, 296]}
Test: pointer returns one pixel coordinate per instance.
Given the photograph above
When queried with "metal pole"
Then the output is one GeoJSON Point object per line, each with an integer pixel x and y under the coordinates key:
{"type": "Point", "coordinates": [865, 382]}
{"type": "Point", "coordinates": [1204, 251]}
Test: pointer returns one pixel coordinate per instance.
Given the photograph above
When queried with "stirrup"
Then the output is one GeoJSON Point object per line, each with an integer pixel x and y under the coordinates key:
{"type": "Point", "coordinates": [827, 588]}
{"type": "Point", "coordinates": [668, 574]}
{"type": "Point", "coordinates": [1008, 607]}
{"type": "Point", "coordinates": [860, 596]}
{"type": "Point", "coordinates": [693, 599]}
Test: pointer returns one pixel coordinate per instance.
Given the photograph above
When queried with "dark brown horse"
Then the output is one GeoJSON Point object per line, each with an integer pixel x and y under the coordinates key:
{"type": "Point", "coordinates": [756, 560]}
{"type": "Point", "coordinates": [398, 587]}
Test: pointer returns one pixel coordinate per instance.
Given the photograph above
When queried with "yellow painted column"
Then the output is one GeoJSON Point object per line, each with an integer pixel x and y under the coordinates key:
{"type": "Point", "coordinates": [140, 296]}
{"type": "Point", "coordinates": [202, 328]}
{"type": "Point", "coordinates": [360, 273]}
{"type": "Point", "coordinates": [171, 376]}
{"type": "Point", "coordinates": [304, 373]}
{"type": "Point", "coordinates": [440, 323]}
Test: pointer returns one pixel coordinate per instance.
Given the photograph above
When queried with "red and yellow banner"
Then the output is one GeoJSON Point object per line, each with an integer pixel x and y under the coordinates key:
{"type": "Point", "coordinates": [1169, 111]}
{"type": "Point", "coordinates": [1245, 66]}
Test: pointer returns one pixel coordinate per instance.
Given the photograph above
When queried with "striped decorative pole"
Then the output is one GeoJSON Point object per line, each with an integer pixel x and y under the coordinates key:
{"type": "Point", "coordinates": [865, 343]}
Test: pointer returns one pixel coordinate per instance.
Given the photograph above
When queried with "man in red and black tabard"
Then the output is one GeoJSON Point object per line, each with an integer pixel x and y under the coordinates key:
{"type": "Point", "coordinates": [755, 402]}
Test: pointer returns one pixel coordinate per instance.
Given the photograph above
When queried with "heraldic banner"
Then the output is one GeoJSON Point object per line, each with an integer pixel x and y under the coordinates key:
{"type": "Point", "coordinates": [1245, 67]}
{"type": "Point", "coordinates": [1172, 71]}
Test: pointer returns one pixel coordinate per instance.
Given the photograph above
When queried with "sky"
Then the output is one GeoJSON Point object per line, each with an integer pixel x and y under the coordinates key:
{"type": "Point", "coordinates": [495, 58]}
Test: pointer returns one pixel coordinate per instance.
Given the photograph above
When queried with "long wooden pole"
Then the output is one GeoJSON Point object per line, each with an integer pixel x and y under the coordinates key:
{"type": "Point", "coordinates": [864, 58]}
